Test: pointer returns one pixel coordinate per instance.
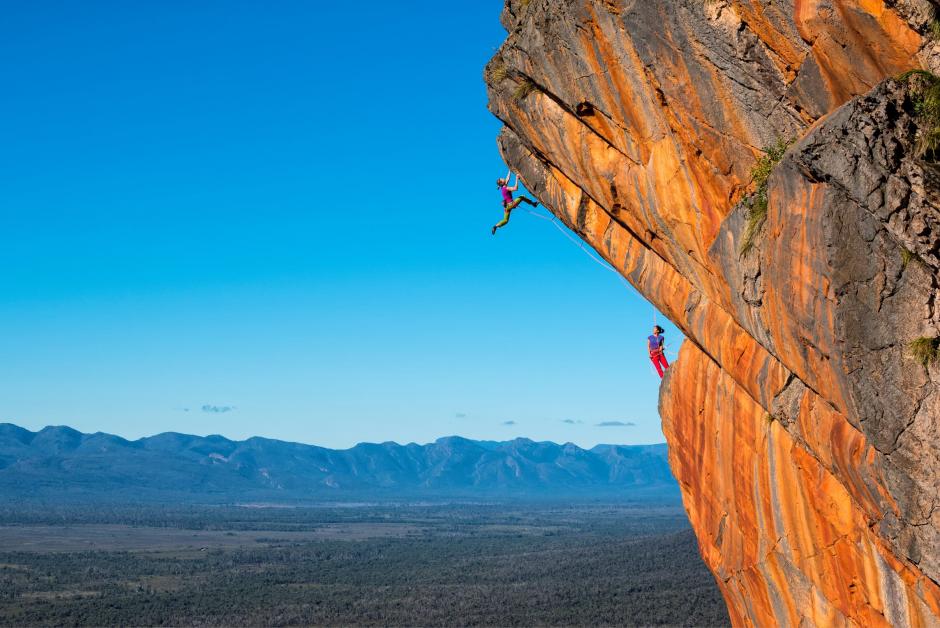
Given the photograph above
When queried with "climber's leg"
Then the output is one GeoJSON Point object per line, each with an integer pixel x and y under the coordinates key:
{"type": "Point", "coordinates": [525, 199]}
{"type": "Point", "coordinates": [655, 360]}
{"type": "Point", "coordinates": [660, 362]}
{"type": "Point", "coordinates": [502, 223]}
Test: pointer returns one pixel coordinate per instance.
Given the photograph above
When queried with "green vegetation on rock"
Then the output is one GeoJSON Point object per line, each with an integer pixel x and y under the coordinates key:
{"type": "Point", "coordinates": [925, 93]}
{"type": "Point", "coordinates": [926, 350]}
{"type": "Point", "coordinates": [908, 256]}
{"type": "Point", "coordinates": [934, 29]}
{"type": "Point", "coordinates": [498, 71]}
{"type": "Point", "coordinates": [526, 87]}
{"type": "Point", "coordinates": [757, 200]}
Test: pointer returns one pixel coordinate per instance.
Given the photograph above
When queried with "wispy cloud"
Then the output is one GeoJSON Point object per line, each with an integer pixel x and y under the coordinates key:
{"type": "Point", "coordinates": [461, 415]}
{"type": "Point", "coordinates": [616, 424]}
{"type": "Point", "coordinates": [572, 421]}
{"type": "Point", "coordinates": [212, 409]}
{"type": "Point", "coordinates": [509, 422]}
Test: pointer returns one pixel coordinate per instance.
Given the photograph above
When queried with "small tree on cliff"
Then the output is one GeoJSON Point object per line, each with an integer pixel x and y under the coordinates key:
{"type": "Point", "coordinates": [757, 201]}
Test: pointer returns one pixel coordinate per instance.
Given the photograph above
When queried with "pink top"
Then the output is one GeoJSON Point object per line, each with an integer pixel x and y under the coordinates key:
{"type": "Point", "coordinates": [507, 195]}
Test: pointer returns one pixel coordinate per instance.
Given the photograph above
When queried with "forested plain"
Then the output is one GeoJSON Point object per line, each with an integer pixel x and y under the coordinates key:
{"type": "Point", "coordinates": [491, 564]}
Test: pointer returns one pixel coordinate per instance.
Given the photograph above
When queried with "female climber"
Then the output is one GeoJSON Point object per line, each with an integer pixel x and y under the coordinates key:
{"type": "Point", "coordinates": [508, 203]}
{"type": "Point", "coordinates": [657, 347]}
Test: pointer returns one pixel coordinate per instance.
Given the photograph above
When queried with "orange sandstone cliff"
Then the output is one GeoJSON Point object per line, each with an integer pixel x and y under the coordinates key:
{"type": "Point", "coordinates": [803, 432]}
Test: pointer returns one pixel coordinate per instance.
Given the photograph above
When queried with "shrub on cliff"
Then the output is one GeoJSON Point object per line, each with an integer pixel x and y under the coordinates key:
{"type": "Point", "coordinates": [526, 87]}
{"type": "Point", "coordinates": [926, 350]}
{"type": "Point", "coordinates": [757, 200]}
{"type": "Point", "coordinates": [908, 256]}
{"type": "Point", "coordinates": [934, 29]}
{"type": "Point", "coordinates": [497, 72]}
{"type": "Point", "coordinates": [925, 94]}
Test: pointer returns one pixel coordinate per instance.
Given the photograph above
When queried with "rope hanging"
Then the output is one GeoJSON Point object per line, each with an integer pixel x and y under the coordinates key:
{"type": "Point", "coordinates": [594, 258]}
{"type": "Point", "coordinates": [580, 245]}
{"type": "Point", "coordinates": [672, 355]}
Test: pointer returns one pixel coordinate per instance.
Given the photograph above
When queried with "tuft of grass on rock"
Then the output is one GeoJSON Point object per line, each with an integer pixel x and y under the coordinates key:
{"type": "Point", "coordinates": [925, 93]}
{"type": "Point", "coordinates": [933, 29]}
{"type": "Point", "coordinates": [526, 87]}
{"type": "Point", "coordinates": [908, 256]}
{"type": "Point", "coordinates": [498, 72]}
{"type": "Point", "coordinates": [925, 350]}
{"type": "Point", "coordinates": [755, 220]}
{"type": "Point", "coordinates": [757, 200]}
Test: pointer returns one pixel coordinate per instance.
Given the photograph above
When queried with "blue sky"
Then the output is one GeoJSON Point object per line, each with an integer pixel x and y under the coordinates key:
{"type": "Point", "coordinates": [273, 220]}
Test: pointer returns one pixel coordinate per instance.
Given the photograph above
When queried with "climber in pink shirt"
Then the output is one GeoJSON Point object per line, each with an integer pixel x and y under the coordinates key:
{"type": "Point", "coordinates": [657, 348]}
{"type": "Point", "coordinates": [508, 203]}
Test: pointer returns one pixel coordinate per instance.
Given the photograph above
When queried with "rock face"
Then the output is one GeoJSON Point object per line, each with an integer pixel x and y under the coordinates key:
{"type": "Point", "coordinates": [804, 434]}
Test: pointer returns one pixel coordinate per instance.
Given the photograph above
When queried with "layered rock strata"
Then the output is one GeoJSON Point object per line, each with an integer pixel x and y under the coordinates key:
{"type": "Point", "coordinates": [803, 432]}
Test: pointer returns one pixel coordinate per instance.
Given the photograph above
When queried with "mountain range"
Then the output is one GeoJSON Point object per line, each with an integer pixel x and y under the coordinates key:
{"type": "Point", "coordinates": [64, 464]}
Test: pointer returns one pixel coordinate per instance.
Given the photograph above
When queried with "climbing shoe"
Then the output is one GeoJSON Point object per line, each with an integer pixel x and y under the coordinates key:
{"type": "Point", "coordinates": [493, 231]}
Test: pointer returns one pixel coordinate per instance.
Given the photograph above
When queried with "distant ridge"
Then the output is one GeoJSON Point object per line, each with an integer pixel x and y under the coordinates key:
{"type": "Point", "coordinates": [63, 464]}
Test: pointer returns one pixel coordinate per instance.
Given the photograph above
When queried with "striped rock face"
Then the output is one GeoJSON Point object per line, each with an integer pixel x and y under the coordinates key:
{"type": "Point", "coordinates": [803, 432]}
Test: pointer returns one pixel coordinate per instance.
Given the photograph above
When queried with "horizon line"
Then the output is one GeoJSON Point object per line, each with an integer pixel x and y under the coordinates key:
{"type": "Point", "coordinates": [440, 438]}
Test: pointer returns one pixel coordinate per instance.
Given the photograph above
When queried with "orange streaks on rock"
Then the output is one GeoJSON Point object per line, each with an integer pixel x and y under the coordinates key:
{"type": "Point", "coordinates": [783, 535]}
{"type": "Point", "coordinates": [803, 435]}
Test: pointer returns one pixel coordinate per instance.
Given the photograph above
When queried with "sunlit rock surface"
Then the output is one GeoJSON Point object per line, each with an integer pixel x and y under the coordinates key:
{"type": "Point", "coordinates": [802, 431]}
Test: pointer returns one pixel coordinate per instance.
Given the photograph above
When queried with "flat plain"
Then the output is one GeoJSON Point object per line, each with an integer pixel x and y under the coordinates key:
{"type": "Point", "coordinates": [363, 564]}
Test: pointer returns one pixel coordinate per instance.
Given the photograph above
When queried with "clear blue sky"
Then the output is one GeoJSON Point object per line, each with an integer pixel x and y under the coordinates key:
{"type": "Point", "coordinates": [281, 212]}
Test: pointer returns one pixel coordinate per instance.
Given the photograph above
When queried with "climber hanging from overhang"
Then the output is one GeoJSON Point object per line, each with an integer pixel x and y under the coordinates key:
{"type": "Point", "coordinates": [657, 348]}
{"type": "Point", "coordinates": [508, 203]}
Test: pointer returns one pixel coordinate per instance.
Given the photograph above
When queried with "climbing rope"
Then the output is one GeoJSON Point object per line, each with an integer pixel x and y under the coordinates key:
{"type": "Point", "coordinates": [580, 245]}
{"type": "Point", "coordinates": [671, 355]}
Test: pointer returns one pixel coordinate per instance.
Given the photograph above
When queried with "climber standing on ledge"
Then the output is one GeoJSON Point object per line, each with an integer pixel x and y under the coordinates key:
{"type": "Point", "coordinates": [657, 347]}
{"type": "Point", "coordinates": [508, 203]}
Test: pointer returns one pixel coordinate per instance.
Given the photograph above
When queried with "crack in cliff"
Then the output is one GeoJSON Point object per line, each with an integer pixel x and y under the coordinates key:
{"type": "Point", "coordinates": [678, 129]}
{"type": "Point", "coordinates": [546, 160]}
{"type": "Point", "coordinates": [542, 89]}
{"type": "Point", "coordinates": [910, 422]}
